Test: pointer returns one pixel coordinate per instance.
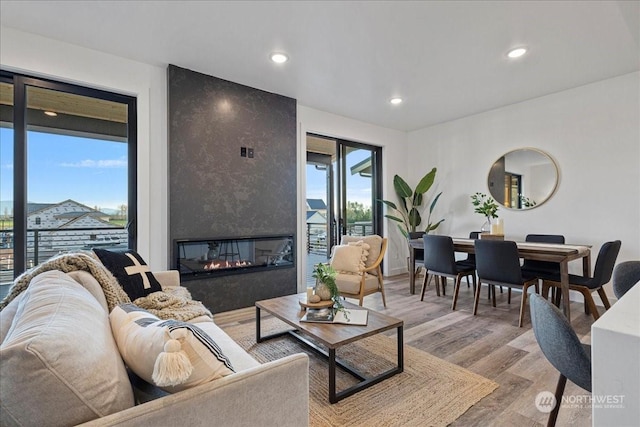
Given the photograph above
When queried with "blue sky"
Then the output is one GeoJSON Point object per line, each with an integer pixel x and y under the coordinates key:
{"type": "Point", "coordinates": [359, 188]}
{"type": "Point", "coordinates": [60, 167]}
{"type": "Point", "coordinates": [94, 172]}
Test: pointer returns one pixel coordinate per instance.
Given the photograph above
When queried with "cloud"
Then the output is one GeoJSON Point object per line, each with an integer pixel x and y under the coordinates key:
{"type": "Point", "coordinates": [118, 163]}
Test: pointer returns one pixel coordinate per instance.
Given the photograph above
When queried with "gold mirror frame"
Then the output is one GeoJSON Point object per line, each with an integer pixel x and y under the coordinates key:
{"type": "Point", "coordinates": [523, 179]}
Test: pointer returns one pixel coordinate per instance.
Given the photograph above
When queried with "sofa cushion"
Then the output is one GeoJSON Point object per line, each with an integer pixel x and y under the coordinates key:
{"type": "Point", "coordinates": [133, 274]}
{"type": "Point", "coordinates": [7, 314]}
{"type": "Point", "coordinates": [60, 364]}
{"type": "Point", "coordinates": [170, 354]}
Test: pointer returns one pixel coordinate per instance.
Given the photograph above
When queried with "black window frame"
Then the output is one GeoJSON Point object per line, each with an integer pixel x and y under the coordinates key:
{"type": "Point", "coordinates": [20, 83]}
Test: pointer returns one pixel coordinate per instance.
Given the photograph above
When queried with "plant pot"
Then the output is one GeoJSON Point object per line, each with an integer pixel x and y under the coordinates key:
{"type": "Point", "coordinates": [323, 291]}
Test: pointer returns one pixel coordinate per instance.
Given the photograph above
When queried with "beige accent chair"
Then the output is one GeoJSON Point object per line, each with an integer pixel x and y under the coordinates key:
{"type": "Point", "coordinates": [369, 280]}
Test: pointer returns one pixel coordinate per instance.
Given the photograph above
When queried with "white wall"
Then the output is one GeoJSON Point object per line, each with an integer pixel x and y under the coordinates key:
{"type": "Point", "coordinates": [394, 154]}
{"type": "Point", "coordinates": [592, 132]}
{"type": "Point", "coordinates": [38, 56]}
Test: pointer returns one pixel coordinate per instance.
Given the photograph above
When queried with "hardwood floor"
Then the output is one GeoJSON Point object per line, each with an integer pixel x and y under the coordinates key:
{"type": "Point", "coordinates": [490, 344]}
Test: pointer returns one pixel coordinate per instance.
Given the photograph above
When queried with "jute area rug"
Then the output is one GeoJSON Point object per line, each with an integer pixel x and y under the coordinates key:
{"type": "Point", "coordinates": [430, 391]}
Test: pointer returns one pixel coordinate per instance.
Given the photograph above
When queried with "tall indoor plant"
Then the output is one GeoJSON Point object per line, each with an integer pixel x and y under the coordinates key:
{"type": "Point", "coordinates": [407, 212]}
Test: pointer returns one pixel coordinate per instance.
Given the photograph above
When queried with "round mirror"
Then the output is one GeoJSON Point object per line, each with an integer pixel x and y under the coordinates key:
{"type": "Point", "coordinates": [523, 179]}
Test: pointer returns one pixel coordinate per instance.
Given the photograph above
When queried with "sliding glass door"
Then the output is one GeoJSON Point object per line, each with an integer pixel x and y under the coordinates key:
{"type": "Point", "coordinates": [343, 184]}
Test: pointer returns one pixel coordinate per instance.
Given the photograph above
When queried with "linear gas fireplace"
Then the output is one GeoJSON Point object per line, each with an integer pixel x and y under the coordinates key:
{"type": "Point", "coordinates": [199, 258]}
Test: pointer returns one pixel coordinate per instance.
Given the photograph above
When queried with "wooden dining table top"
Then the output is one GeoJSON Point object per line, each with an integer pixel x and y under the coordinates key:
{"type": "Point", "coordinates": [528, 250]}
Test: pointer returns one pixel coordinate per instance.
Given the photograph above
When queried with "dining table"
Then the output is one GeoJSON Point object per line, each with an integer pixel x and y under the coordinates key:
{"type": "Point", "coordinates": [552, 252]}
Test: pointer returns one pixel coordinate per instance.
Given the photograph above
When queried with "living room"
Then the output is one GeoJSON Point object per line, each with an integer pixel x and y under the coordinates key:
{"type": "Point", "coordinates": [591, 129]}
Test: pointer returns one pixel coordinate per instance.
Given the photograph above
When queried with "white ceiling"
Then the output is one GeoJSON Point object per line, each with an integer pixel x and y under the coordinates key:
{"type": "Point", "coordinates": [446, 59]}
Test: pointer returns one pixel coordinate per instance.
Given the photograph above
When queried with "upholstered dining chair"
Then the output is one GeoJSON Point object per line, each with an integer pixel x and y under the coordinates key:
{"type": "Point", "coordinates": [562, 348]}
{"type": "Point", "coordinates": [357, 279]}
{"type": "Point", "coordinates": [602, 273]}
{"type": "Point", "coordinates": [625, 276]}
{"type": "Point", "coordinates": [440, 262]}
{"type": "Point", "coordinates": [542, 269]}
{"type": "Point", "coordinates": [470, 260]}
{"type": "Point", "coordinates": [498, 264]}
{"type": "Point", "coordinates": [418, 253]}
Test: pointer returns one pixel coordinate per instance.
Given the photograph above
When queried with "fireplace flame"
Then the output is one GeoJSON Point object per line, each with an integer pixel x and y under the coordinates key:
{"type": "Point", "coordinates": [219, 264]}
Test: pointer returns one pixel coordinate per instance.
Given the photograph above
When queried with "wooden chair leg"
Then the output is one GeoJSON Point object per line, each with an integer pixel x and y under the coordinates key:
{"type": "Point", "coordinates": [545, 290]}
{"type": "Point", "coordinates": [493, 294]}
{"type": "Point", "coordinates": [381, 286]}
{"type": "Point", "coordinates": [588, 301]}
{"type": "Point", "coordinates": [456, 290]}
{"type": "Point", "coordinates": [523, 304]}
{"type": "Point", "coordinates": [603, 297]}
{"type": "Point", "coordinates": [509, 296]}
{"type": "Point", "coordinates": [476, 298]}
{"type": "Point", "coordinates": [424, 285]}
{"type": "Point", "coordinates": [553, 415]}
{"type": "Point", "coordinates": [443, 282]}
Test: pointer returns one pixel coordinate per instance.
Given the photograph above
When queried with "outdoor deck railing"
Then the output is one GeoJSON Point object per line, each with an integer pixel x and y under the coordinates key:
{"type": "Point", "coordinates": [43, 243]}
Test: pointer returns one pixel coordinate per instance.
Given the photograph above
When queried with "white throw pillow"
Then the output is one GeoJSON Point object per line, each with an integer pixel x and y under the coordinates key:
{"type": "Point", "coordinates": [171, 354]}
{"type": "Point", "coordinates": [347, 259]}
{"type": "Point", "coordinates": [375, 247]}
{"type": "Point", "coordinates": [59, 362]}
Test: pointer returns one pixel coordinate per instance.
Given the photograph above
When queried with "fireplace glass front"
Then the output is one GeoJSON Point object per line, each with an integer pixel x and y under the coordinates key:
{"type": "Point", "coordinates": [222, 256]}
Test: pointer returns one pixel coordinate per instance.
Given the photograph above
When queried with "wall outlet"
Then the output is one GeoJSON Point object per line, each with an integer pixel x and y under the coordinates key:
{"type": "Point", "coordinates": [250, 152]}
{"type": "Point", "coordinates": [243, 151]}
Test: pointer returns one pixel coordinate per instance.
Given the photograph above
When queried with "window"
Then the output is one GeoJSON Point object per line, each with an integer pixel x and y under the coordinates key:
{"type": "Point", "coordinates": [68, 170]}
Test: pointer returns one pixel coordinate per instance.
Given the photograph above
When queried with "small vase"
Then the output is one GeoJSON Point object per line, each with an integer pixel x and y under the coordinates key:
{"type": "Point", "coordinates": [486, 227]}
{"type": "Point", "coordinates": [323, 291]}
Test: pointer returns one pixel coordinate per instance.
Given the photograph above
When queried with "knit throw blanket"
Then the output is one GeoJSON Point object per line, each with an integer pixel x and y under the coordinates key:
{"type": "Point", "coordinates": [176, 305]}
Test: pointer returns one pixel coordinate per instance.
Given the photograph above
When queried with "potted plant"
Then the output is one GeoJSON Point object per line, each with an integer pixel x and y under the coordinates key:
{"type": "Point", "coordinates": [407, 213]}
{"type": "Point", "coordinates": [326, 287]}
{"type": "Point", "coordinates": [486, 206]}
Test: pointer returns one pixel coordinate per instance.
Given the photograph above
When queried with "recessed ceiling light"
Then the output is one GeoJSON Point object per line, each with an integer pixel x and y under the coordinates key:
{"type": "Point", "coordinates": [396, 101]}
{"type": "Point", "coordinates": [517, 52]}
{"type": "Point", "coordinates": [279, 58]}
{"type": "Point", "coordinates": [51, 113]}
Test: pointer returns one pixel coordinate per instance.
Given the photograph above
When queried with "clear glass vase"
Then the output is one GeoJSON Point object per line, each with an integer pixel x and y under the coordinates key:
{"type": "Point", "coordinates": [486, 227]}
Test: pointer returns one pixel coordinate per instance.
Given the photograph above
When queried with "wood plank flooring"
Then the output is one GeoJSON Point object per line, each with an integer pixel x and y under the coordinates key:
{"type": "Point", "coordinates": [490, 344]}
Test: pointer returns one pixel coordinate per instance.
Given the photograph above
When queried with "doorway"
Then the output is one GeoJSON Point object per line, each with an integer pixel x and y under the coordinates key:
{"type": "Point", "coordinates": [343, 185]}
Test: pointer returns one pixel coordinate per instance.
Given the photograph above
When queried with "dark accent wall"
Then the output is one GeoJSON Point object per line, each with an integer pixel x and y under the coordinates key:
{"type": "Point", "coordinates": [214, 191]}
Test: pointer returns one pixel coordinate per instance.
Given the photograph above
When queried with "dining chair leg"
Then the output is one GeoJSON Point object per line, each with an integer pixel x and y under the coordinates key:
{"type": "Point", "coordinates": [493, 294]}
{"type": "Point", "coordinates": [443, 282]}
{"type": "Point", "coordinates": [424, 284]}
{"type": "Point", "coordinates": [603, 297]}
{"type": "Point", "coordinates": [523, 304]}
{"type": "Point", "coordinates": [588, 301]}
{"type": "Point", "coordinates": [509, 296]}
{"type": "Point", "coordinates": [476, 297]}
{"type": "Point", "coordinates": [553, 415]}
{"type": "Point", "coordinates": [456, 290]}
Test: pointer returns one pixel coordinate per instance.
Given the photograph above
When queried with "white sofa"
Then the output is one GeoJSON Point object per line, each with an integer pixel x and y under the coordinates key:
{"type": "Point", "coordinates": [35, 392]}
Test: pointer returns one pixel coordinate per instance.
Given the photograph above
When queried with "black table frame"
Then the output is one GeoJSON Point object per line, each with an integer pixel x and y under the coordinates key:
{"type": "Point", "coordinates": [330, 353]}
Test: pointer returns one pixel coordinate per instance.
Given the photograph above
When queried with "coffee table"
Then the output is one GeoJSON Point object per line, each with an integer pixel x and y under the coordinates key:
{"type": "Point", "coordinates": [332, 336]}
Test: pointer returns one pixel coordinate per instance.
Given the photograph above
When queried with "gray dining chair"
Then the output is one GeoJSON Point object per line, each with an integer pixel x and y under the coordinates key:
{"type": "Point", "coordinates": [602, 273]}
{"type": "Point", "coordinates": [418, 254]}
{"type": "Point", "coordinates": [562, 348]}
{"type": "Point", "coordinates": [440, 262]}
{"type": "Point", "coordinates": [625, 276]}
{"type": "Point", "coordinates": [498, 264]}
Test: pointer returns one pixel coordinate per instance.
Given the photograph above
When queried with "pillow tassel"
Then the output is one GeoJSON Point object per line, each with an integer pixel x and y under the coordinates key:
{"type": "Point", "coordinates": [172, 366]}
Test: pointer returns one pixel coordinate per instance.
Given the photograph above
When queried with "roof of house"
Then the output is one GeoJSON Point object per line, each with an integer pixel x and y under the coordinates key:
{"type": "Point", "coordinates": [316, 204]}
